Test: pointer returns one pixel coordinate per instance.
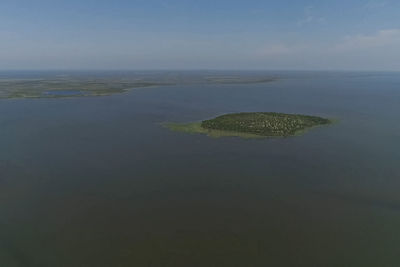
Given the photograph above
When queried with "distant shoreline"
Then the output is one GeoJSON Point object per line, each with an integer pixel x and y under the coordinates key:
{"type": "Point", "coordinates": [64, 86]}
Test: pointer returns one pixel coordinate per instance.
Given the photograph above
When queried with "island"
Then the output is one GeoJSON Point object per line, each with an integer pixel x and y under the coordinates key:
{"type": "Point", "coordinates": [96, 84]}
{"type": "Point", "coordinates": [68, 87]}
{"type": "Point", "coordinates": [252, 125]}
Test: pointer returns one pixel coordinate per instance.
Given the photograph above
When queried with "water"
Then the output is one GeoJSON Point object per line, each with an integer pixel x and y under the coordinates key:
{"type": "Point", "coordinates": [97, 181]}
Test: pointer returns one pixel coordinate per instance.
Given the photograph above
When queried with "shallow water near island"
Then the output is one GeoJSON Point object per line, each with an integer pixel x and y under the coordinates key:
{"type": "Point", "coordinates": [97, 181]}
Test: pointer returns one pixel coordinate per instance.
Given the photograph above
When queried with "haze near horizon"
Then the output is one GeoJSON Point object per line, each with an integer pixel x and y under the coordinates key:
{"type": "Point", "coordinates": [267, 35]}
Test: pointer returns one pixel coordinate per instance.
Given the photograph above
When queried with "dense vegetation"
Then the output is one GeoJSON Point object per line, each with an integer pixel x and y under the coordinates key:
{"type": "Point", "coordinates": [264, 123]}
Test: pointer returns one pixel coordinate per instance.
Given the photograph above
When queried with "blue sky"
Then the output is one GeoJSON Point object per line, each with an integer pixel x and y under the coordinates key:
{"type": "Point", "coordinates": [219, 34]}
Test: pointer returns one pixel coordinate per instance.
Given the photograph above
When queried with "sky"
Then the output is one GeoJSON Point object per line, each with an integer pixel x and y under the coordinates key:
{"type": "Point", "coordinates": [207, 34]}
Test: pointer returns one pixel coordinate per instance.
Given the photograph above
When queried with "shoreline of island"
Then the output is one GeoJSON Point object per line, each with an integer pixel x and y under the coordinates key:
{"type": "Point", "coordinates": [252, 125]}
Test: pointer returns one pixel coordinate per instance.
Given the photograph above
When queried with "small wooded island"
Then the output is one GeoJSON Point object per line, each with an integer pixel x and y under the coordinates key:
{"type": "Point", "coordinates": [252, 124]}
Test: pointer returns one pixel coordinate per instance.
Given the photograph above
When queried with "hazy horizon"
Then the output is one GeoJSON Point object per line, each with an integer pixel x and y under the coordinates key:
{"type": "Point", "coordinates": [355, 35]}
{"type": "Point", "coordinates": [197, 70]}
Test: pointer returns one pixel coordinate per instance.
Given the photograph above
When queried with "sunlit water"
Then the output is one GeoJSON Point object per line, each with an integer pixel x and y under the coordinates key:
{"type": "Point", "coordinates": [97, 181]}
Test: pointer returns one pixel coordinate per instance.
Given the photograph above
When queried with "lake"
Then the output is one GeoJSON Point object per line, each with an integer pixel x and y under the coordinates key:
{"type": "Point", "coordinates": [98, 181]}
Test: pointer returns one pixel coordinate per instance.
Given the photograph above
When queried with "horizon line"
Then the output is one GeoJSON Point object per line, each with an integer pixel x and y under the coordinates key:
{"type": "Point", "coordinates": [191, 69]}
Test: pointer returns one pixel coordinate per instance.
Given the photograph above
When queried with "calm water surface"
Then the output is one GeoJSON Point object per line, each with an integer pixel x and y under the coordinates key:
{"type": "Point", "coordinates": [97, 181]}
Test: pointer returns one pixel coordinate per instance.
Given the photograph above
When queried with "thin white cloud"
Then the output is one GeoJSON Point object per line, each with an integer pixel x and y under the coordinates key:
{"type": "Point", "coordinates": [381, 39]}
{"type": "Point", "coordinates": [377, 51]}
{"type": "Point", "coordinates": [310, 18]}
{"type": "Point", "coordinates": [374, 4]}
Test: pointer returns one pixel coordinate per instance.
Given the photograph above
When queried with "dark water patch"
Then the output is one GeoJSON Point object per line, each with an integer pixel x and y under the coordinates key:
{"type": "Point", "coordinates": [99, 182]}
